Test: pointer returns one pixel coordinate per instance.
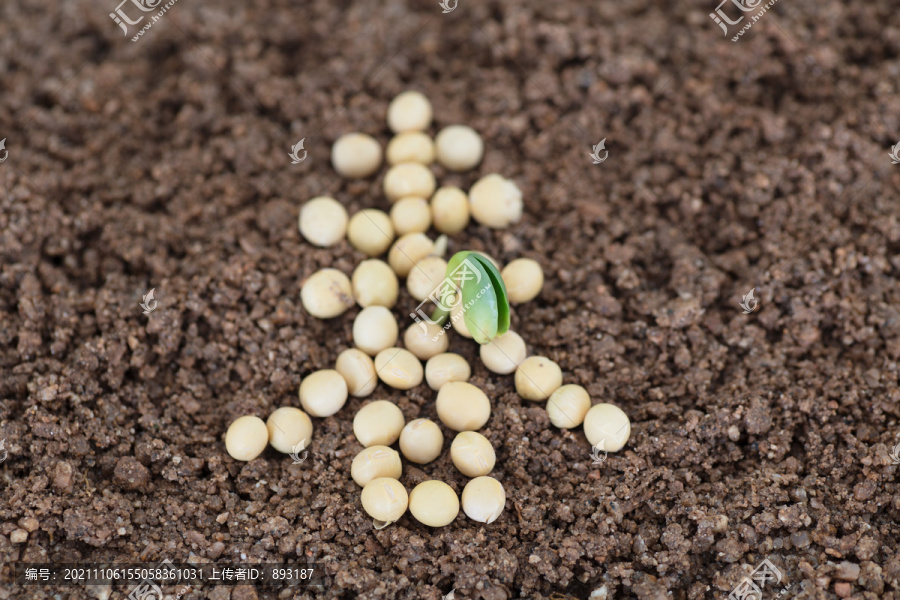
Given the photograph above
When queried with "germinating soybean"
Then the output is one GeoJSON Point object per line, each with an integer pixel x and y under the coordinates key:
{"type": "Point", "coordinates": [483, 499]}
{"type": "Point", "coordinates": [327, 293]}
{"type": "Point", "coordinates": [375, 329]}
{"type": "Point", "coordinates": [375, 284]}
{"type": "Point", "coordinates": [472, 454]}
{"type": "Point", "coordinates": [428, 342]}
{"type": "Point", "coordinates": [450, 210]}
{"type": "Point", "coordinates": [495, 201]}
{"type": "Point", "coordinates": [411, 215]}
{"type": "Point", "coordinates": [504, 353]}
{"type": "Point", "coordinates": [356, 155]}
{"type": "Point", "coordinates": [385, 500]}
{"type": "Point", "coordinates": [409, 111]}
{"type": "Point", "coordinates": [408, 179]}
{"type": "Point", "coordinates": [246, 438]}
{"type": "Point", "coordinates": [358, 370]}
{"type": "Point", "coordinates": [434, 503]}
{"type": "Point", "coordinates": [323, 393]}
{"type": "Point", "coordinates": [568, 405]}
{"type": "Point", "coordinates": [410, 146]}
{"type": "Point", "coordinates": [370, 231]}
{"type": "Point", "coordinates": [374, 462]}
{"type": "Point", "coordinates": [537, 377]}
{"type": "Point", "coordinates": [421, 441]}
{"type": "Point", "coordinates": [462, 407]}
{"type": "Point", "coordinates": [459, 147]}
{"type": "Point", "coordinates": [378, 423]}
{"type": "Point", "coordinates": [607, 423]}
{"type": "Point", "coordinates": [289, 428]}
{"type": "Point", "coordinates": [445, 368]}
{"type": "Point", "coordinates": [399, 368]}
{"type": "Point", "coordinates": [524, 279]}
{"type": "Point", "coordinates": [323, 221]}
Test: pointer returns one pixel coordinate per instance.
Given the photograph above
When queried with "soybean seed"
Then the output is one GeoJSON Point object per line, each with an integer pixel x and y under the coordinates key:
{"type": "Point", "coordinates": [458, 320]}
{"type": "Point", "coordinates": [246, 438]}
{"type": "Point", "coordinates": [409, 111]}
{"type": "Point", "coordinates": [450, 210]}
{"type": "Point", "coordinates": [495, 201]}
{"type": "Point", "coordinates": [445, 368]}
{"type": "Point", "coordinates": [323, 393]}
{"type": "Point", "coordinates": [607, 423]}
{"type": "Point", "coordinates": [410, 146]}
{"type": "Point", "coordinates": [399, 368]}
{"type": "Point", "coordinates": [378, 423]}
{"type": "Point", "coordinates": [537, 377]}
{"type": "Point", "coordinates": [421, 441]}
{"type": "Point", "coordinates": [504, 353]}
{"type": "Point", "coordinates": [426, 276]}
{"type": "Point", "coordinates": [375, 284]}
{"type": "Point", "coordinates": [356, 155]}
{"type": "Point", "coordinates": [459, 148]}
{"type": "Point", "coordinates": [408, 179]}
{"type": "Point", "coordinates": [289, 428]}
{"type": "Point", "coordinates": [427, 342]}
{"type": "Point", "coordinates": [370, 231]}
{"type": "Point", "coordinates": [434, 503]}
{"type": "Point", "coordinates": [407, 251]}
{"type": "Point", "coordinates": [358, 370]}
{"type": "Point", "coordinates": [472, 454]}
{"type": "Point", "coordinates": [326, 294]}
{"type": "Point", "coordinates": [483, 499]}
{"type": "Point", "coordinates": [410, 215]}
{"type": "Point", "coordinates": [323, 221]}
{"type": "Point", "coordinates": [524, 279]}
{"type": "Point", "coordinates": [384, 500]}
{"type": "Point", "coordinates": [568, 405]}
{"type": "Point", "coordinates": [374, 462]}
{"type": "Point", "coordinates": [375, 329]}
{"type": "Point", "coordinates": [462, 407]}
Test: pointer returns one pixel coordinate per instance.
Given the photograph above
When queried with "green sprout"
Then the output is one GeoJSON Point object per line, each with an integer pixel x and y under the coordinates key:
{"type": "Point", "coordinates": [484, 301]}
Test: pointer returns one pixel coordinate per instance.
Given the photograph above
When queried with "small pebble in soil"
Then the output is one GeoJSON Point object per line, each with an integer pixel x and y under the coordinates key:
{"type": "Point", "coordinates": [426, 340]}
{"type": "Point", "coordinates": [426, 277]}
{"type": "Point", "coordinates": [399, 368]}
{"type": "Point", "coordinates": [358, 370]}
{"type": "Point", "coordinates": [568, 406]}
{"type": "Point", "coordinates": [434, 503]}
{"type": "Point", "coordinates": [378, 423]}
{"type": "Point", "coordinates": [289, 429]}
{"type": "Point", "coordinates": [537, 378]}
{"type": "Point", "coordinates": [356, 155]}
{"type": "Point", "coordinates": [411, 215]}
{"type": "Point", "coordinates": [524, 279]}
{"type": "Point", "coordinates": [483, 499]}
{"type": "Point", "coordinates": [375, 329]}
{"type": "Point", "coordinates": [410, 146]}
{"type": "Point", "coordinates": [327, 293]}
{"type": "Point", "coordinates": [472, 454]}
{"type": "Point", "coordinates": [323, 221]}
{"type": "Point", "coordinates": [445, 368]}
{"type": "Point", "coordinates": [374, 462]}
{"type": "Point", "coordinates": [421, 441]}
{"type": "Point", "coordinates": [375, 284]}
{"type": "Point", "coordinates": [385, 500]}
{"type": "Point", "coordinates": [459, 147]}
{"type": "Point", "coordinates": [323, 393]}
{"type": "Point", "coordinates": [18, 536]}
{"type": "Point", "coordinates": [495, 201]}
{"type": "Point", "coordinates": [462, 407]}
{"type": "Point", "coordinates": [408, 179]}
{"type": "Point", "coordinates": [504, 353]}
{"type": "Point", "coordinates": [246, 438]}
{"type": "Point", "coordinates": [370, 231]}
{"type": "Point", "coordinates": [450, 210]}
{"type": "Point", "coordinates": [409, 111]}
{"type": "Point", "coordinates": [607, 423]}
{"type": "Point", "coordinates": [407, 251]}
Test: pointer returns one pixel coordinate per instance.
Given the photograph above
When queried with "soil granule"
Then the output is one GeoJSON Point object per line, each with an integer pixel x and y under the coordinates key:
{"type": "Point", "coordinates": [162, 164]}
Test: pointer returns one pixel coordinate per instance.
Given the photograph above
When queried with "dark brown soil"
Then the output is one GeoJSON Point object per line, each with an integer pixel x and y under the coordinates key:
{"type": "Point", "coordinates": [163, 164]}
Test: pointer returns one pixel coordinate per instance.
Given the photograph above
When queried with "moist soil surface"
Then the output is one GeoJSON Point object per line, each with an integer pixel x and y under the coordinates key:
{"type": "Point", "coordinates": [760, 164]}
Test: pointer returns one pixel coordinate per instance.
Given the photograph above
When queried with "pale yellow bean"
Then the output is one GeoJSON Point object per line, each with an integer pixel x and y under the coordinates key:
{"type": "Point", "coordinates": [462, 407]}
{"type": "Point", "coordinates": [537, 377]}
{"type": "Point", "coordinates": [609, 425]}
{"type": "Point", "coordinates": [327, 293]}
{"type": "Point", "coordinates": [290, 429]}
{"type": "Point", "coordinates": [323, 393]}
{"type": "Point", "coordinates": [483, 499]}
{"type": "Point", "coordinates": [568, 405]}
{"type": "Point", "coordinates": [378, 423]}
{"type": "Point", "coordinates": [445, 368]}
{"type": "Point", "coordinates": [374, 462]}
{"type": "Point", "coordinates": [434, 503]}
{"type": "Point", "coordinates": [504, 353]}
{"type": "Point", "coordinates": [370, 231]}
{"type": "Point", "coordinates": [356, 155]}
{"type": "Point", "coordinates": [399, 368]}
{"type": "Point", "coordinates": [385, 500]}
{"type": "Point", "coordinates": [472, 454]}
{"type": "Point", "coordinates": [358, 370]}
{"type": "Point", "coordinates": [375, 329]}
{"type": "Point", "coordinates": [495, 201]}
{"type": "Point", "coordinates": [421, 441]}
{"type": "Point", "coordinates": [375, 284]}
{"type": "Point", "coordinates": [246, 438]}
